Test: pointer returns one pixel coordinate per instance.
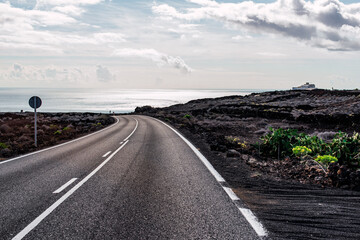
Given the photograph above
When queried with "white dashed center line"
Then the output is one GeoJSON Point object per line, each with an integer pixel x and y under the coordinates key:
{"type": "Point", "coordinates": [60, 189]}
{"type": "Point", "coordinates": [105, 155]}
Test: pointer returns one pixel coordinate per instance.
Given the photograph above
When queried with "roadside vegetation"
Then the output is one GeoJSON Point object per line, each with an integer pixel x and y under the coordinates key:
{"type": "Point", "coordinates": [342, 149]}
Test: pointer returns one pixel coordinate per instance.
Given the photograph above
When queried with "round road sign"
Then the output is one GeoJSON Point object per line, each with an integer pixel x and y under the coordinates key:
{"type": "Point", "coordinates": [35, 102]}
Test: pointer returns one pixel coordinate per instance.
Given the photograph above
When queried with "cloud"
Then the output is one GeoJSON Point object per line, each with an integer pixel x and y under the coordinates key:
{"type": "Point", "coordinates": [109, 37]}
{"type": "Point", "coordinates": [25, 29]}
{"type": "Point", "coordinates": [103, 74]}
{"type": "Point", "coordinates": [11, 18]}
{"type": "Point", "coordinates": [69, 10]}
{"type": "Point", "coordinates": [41, 3]}
{"type": "Point", "coordinates": [160, 58]}
{"type": "Point", "coordinates": [30, 73]}
{"type": "Point", "coordinates": [328, 24]}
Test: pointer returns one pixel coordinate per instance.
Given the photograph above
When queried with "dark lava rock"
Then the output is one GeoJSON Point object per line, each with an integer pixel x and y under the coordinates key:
{"type": "Point", "coordinates": [5, 152]}
{"type": "Point", "coordinates": [4, 128]}
{"type": "Point", "coordinates": [232, 153]}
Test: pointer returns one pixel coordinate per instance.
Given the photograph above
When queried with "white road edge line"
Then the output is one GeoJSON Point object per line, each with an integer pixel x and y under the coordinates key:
{"type": "Point", "coordinates": [43, 215]}
{"type": "Point", "coordinates": [105, 155]}
{"type": "Point", "coordinates": [247, 213]}
{"type": "Point", "coordinates": [215, 173]}
{"type": "Point", "coordinates": [254, 222]}
{"type": "Point", "coordinates": [137, 123]}
{"type": "Point", "coordinates": [231, 194]}
{"type": "Point", "coordinates": [46, 149]}
{"type": "Point", "coordinates": [60, 189]}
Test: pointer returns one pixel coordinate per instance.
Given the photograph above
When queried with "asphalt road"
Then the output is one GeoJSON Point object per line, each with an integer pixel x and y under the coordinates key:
{"type": "Point", "coordinates": [137, 179]}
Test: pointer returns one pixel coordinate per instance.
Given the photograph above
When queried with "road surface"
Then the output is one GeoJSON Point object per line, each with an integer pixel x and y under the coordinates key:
{"type": "Point", "coordinates": [137, 179]}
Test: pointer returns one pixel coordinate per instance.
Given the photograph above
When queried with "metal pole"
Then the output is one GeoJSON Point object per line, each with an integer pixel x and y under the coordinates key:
{"type": "Point", "coordinates": [35, 122]}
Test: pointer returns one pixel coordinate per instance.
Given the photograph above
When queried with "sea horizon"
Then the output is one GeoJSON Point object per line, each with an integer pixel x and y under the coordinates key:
{"type": "Point", "coordinates": [14, 99]}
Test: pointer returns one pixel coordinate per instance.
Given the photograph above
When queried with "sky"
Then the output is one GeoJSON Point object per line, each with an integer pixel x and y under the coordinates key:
{"type": "Point", "coordinates": [190, 44]}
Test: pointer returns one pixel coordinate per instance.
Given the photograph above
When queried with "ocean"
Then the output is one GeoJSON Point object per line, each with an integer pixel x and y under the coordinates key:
{"type": "Point", "coordinates": [103, 101]}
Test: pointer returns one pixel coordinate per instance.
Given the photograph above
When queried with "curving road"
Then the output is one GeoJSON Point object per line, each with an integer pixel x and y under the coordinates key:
{"type": "Point", "coordinates": [137, 179]}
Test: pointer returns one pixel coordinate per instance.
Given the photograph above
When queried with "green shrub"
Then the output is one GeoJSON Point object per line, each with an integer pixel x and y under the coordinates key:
{"type": "Point", "coordinates": [326, 159]}
{"type": "Point", "coordinates": [3, 145]}
{"type": "Point", "coordinates": [187, 116]}
{"type": "Point", "coordinates": [301, 151]}
{"type": "Point", "coordinates": [280, 142]}
{"type": "Point", "coordinates": [236, 142]}
{"type": "Point", "coordinates": [66, 128]}
{"type": "Point", "coordinates": [58, 132]}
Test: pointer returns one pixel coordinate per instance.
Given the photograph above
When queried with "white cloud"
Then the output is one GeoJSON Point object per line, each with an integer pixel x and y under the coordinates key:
{"type": "Point", "coordinates": [328, 24]}
{"type": "Point", "coordinates": [103, 74]}
{"type": "Point", "coordinates": [69, 10]}
{"type": "Point", "coordinates": [12, 18]}
{"type": "Point", "coordinates": [157, 57]}
{"type": "Point", "coordinates": [40, 3]}
{"type": "Point", "coordinates": [271, 54]}
{"type": "Point", "coordinates": [109, 37]}
{"type": "Point", "coordinates": [30, 74]}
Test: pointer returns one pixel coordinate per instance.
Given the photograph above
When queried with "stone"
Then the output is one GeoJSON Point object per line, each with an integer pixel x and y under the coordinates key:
{"type": "Point", "coordinates": [5, 152]}
{"type": "Point", "coordinates": [4, 128]}
{"type": "Point", "coordinates": [232, 153]}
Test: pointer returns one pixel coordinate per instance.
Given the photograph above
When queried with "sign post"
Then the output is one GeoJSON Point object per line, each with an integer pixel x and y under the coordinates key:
{"type": "Point", "coordinates": [35, 102]}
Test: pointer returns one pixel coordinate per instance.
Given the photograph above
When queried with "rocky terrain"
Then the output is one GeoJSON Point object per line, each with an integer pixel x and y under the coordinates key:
{"type": "Point", "coordinates": [17, 130]}
{"type": "Point", "coordinates": [296, 198]}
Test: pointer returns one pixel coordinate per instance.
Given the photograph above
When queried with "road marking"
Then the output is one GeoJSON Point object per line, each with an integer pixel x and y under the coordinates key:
{"type": "Point", "coordinates": [106, 153]}
{"type": "Point", "coordinates": [254, 222]}
{"type": "Point", "coordinates": [43, 215]}
{"type": "Point", "coordinates": [231, 194]}
{"type": "Point", "coordinates": [137, 123]}
{"type": "Point", "coordinates": [60, 189]}
{"type": "Point", "coordinates": [46, 149]}
{"type": "Point", "coordinates": [212, 170]}
{"type": "Point", "coordinates": [121, 143]}
{"type": "Point", "coordinates": [247, 213]}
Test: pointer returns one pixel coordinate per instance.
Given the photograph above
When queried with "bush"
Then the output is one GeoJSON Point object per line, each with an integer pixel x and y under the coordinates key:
{"type": "Point", "coordinates": [301, 150]}
{"type": "Point", "coordinates": [345, 148]}
{"type": "Point", "coordinates": [3, 145]}
{"type": "Point", "coordinates": [58, 132]}
{"type": "Point", "coordinates": [187, 116]}
{"type": "Point", "coordinates": [280, 142]}
{"type": "Point", "coordinates": [326, 159]}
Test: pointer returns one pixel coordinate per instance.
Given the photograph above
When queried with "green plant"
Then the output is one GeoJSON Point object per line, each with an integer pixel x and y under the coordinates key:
{"type": "Point", "coordinates": [346, 149]}
{"type": "Point", "coordinates": [58, 132]}
{"type": "Point", "coordinates": [187, 116]}
{"type": "Point", "coordinates": [280, 142]}
{"type": "Point", "coordinates": [66, 128]}
{"type": "Point", "coordinates": [326, 159]}
{"type": "Point", "coordinates": [3, 145]}
{"type": "Point", "coordinates": [301, 151]}
{"type": "Point", "coordinates": [234, 141]}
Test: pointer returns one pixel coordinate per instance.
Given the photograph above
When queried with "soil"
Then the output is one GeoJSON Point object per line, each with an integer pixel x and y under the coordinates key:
{"type": "Point", "coordinates": [295, 199]}
{"type": "Point", "coordinates": [17, 130]}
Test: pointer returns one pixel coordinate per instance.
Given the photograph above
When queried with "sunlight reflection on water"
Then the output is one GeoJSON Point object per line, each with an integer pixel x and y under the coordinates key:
{"type": "Point", "coordinates": [93, 100]}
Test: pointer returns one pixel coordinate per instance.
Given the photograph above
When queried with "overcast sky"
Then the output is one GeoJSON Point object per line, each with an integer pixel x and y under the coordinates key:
{"type": "Point", "coordinates": [205, 44]}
